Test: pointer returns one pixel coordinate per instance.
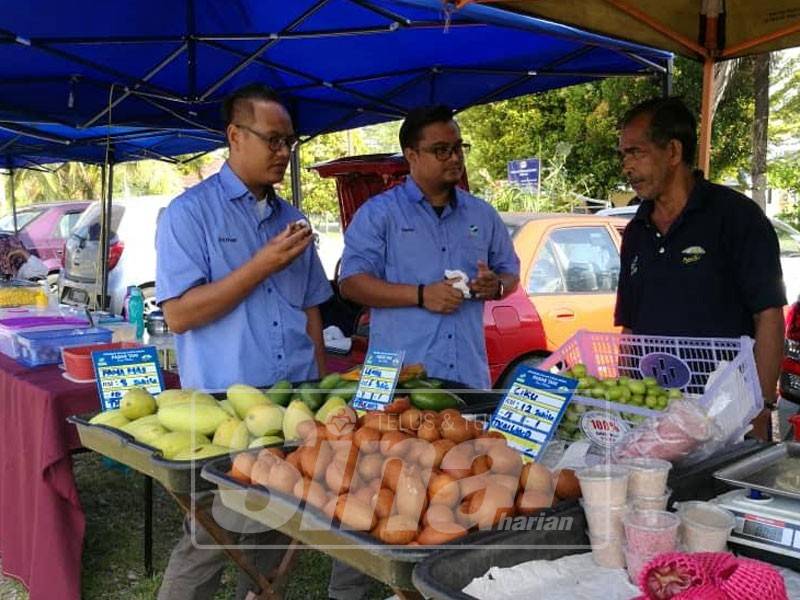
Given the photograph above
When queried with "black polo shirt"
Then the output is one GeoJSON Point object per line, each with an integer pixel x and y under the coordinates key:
{"type": "Point", "coordinates": [717, 266]}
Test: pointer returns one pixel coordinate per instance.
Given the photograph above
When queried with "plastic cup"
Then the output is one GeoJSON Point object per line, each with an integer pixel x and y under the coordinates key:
{"type": "Point", "coordinates": [706, 527]}
{"type": "Point", "coordinates": [648, 476]}
{"type": "Point", "coordinates": [651, 532]}
{"type": "Point", "coordinates": [635, 563]}
{"type": "Point", "coordinates": [604, 485]}
{"type": "Point", "coordinates": [607, 551]}
{"type": "Point", "coordinates": [605, 521]}
{"type": "Point", "coordinates": [650, 503]}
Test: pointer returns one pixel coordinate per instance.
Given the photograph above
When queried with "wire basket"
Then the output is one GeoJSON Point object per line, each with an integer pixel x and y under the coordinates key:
{"type": "Point", "coordinates": [682, 363]}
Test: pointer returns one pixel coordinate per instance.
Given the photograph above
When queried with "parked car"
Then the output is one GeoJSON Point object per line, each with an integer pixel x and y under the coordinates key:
{"type": "Point", "coordinates": [568, 276]}
{"type": "Point", "coordinates": [789, 381]}
{"type": "Point", "coordinates": [44, 228]}
{"type": "Point", "coordinates": [788, 239]}
{"type": "Point", "coordinates": [131, 253]}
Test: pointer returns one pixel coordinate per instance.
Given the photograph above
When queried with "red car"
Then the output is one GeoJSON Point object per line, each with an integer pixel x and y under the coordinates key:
{"type": "Point", "coordinates": [568, 299]}
{"type": "Point", "coordinates": [44, 228]}
{"type": "Point", "coordinates": [789, 382]}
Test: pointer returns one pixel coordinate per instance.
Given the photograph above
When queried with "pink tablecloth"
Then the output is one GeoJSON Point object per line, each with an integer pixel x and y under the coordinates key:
{"type": "Point", "coordinates": [41, 521]}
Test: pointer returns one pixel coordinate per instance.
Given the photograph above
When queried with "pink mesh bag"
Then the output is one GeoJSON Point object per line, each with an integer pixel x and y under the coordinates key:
{"type": "Point", "coordinates": [709, 576]}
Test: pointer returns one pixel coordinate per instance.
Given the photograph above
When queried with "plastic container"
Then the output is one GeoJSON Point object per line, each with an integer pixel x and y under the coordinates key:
{"type": "Point", "coordinates": [651, 532]}
{"type": "Point", "coordinates": [648, 476]}
{"type": "Point", "coordinates": [78, 359]}
{"type": "Point", "coordinates": [705, 527]}
{"type": "Point", "coordinates": [635, 562]}
{"type": "Point", "coordinates": [604, 485]}
{"type": "Point", "coordinates": [609, 355]}
{"type": "Point", "coordinates": [650, 502]}
{"type": "Point", "coordinates": [12, 326]}
{"type": "Point", "coordinates": [38, 348]}
{"type": "Point", "coordinates": [607, 551]}
{"type": "Point", "coordinates": [605, 521]}
{"type": "Point", "coordinates": [121, 331]}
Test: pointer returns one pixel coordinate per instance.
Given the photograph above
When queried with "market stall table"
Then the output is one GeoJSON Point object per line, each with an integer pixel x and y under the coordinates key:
{"type": "Point", "coordinates": [41, 520]}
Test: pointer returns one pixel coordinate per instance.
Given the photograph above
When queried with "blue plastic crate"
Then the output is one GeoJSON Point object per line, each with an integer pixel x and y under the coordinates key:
{"type": "Point", "coordinates": [36, 348]}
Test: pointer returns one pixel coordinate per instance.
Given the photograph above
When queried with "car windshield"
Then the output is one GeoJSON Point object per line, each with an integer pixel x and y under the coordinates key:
{"type": "Point", "coordinates": [23, 218]}
{"type": "Point", "coordinates": [788, 238]}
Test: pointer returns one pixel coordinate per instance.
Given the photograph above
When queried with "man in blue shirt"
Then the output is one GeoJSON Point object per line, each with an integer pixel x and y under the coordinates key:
{"type": "Point", "coordinates": [401, 242]}
{"type": "Point", "coordinates": [240, 284]}
{"type": "Point", "coordinates": [397, 250]}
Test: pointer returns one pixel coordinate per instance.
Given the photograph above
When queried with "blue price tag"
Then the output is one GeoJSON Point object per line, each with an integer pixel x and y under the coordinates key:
{"type": "Point", "coordinates": [117, 371]}
{"type": "Point", "coordinates": [532, 409]}
{"type": "Point", "coordinates": [378, 380]}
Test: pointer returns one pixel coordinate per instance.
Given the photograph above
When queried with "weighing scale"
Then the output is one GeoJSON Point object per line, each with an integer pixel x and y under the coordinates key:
{"type": "Point", "coordinates": [767, 511]}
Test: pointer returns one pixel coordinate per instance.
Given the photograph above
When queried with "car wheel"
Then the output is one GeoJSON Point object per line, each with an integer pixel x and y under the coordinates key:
{"type": "Point", "coordinates": [532, 360]}
{"type": "Point", "coordinates": [149, 294]}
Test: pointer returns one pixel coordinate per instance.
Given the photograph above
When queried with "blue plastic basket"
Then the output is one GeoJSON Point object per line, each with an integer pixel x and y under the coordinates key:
{"type": "Point", "coordinates": [38, 348]}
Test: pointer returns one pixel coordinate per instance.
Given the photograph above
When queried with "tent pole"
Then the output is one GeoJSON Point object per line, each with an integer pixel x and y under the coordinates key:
{"type": "Point", "coordinates": [666, 80]}
{"type": "Point", "coordinates": [105, 226]}
{"type": "Point", "coordinates": [297, 185]}
{"type": "Point", "coordinates": [704, 156]}
{"type": "Point", "coordinates": [12, 187]}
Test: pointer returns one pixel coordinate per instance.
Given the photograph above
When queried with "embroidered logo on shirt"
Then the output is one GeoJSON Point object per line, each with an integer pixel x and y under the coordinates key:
{"type": "Point", "coordinates": [635, 265]}
{"type": "Point", "coordinates": [226, 239]}
{"type": "Point", "coordinates": [692, 254]}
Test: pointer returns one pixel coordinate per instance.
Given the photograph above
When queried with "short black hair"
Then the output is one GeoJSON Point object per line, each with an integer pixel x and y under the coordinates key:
{"type": "Point", "coordinates": [239, 102]}
{"type": "Point", "coordinates": [418, 119]}
{"type": "Point", "coordinates": [670, 119]}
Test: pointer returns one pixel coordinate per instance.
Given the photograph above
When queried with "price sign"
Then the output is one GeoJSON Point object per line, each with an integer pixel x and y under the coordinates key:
{"type": "Point", "coordinates": [117, 371]}
{"type": "Point", "coordinates": [530, 413]}
{"type": "Point", "coordinates": [378, 380]}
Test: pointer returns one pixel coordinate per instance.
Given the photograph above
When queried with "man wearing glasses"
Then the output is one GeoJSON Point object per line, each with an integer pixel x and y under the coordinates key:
{"type": "Point", "coordinates": [397, 249]}
{"type": "Point", "coordinates": [240, 284]}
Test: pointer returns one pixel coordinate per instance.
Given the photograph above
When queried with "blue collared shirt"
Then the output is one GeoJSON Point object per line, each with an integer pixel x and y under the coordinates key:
{"type": "Point", "coordinates": [204, 234]}
{"type": "Point", "coordinates": [398, 237]}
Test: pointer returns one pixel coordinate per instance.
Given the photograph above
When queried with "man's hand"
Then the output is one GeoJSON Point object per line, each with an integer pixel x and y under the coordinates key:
{"type": "Point", "coordinates": [487, 284]}
{"type": "Point", "coordinates": [442, 297]}
{"type": "Point", "coordinates": [281, 250]}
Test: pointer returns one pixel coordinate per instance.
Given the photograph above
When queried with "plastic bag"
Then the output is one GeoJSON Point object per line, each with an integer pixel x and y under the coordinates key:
{"type": "Point", "coordinates": [672, 435]}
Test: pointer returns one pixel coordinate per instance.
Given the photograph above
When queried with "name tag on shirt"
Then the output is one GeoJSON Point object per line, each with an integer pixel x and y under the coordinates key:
{"type": "Point", "coordinates": [532, 409]}
{"type": "Point", "coordinates": [378, 380]}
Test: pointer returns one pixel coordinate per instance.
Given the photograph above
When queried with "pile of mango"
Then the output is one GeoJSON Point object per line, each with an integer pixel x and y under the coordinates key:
{"type": "Point", "coordinates": [645, 392]}
{"type": "Point", "coordinates": [186, 424]}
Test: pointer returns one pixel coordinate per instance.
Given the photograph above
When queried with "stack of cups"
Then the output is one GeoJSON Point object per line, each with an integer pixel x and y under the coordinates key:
{"type": "Point", "coordinates": [647, 485]}
{"type": "Point", "coordinates": [605, 491]}
{"type": "Point", "coordinates": [648, 533]}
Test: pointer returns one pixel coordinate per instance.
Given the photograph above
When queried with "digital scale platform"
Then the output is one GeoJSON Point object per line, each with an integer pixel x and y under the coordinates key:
{"type": "Point", "coordinates": [767, 508]}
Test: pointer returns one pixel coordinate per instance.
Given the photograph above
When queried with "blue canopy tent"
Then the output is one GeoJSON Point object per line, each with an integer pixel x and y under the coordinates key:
{"type": "Point", "coordinates": [153, 73]}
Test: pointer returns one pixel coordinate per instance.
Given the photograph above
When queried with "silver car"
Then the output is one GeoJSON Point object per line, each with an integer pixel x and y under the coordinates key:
{"type": "Point", "coordinates": [131, 253]}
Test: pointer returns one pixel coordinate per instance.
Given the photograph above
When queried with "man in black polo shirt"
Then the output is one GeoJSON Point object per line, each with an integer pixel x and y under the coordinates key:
{"type": "Point", "coordinates": [698, 259]}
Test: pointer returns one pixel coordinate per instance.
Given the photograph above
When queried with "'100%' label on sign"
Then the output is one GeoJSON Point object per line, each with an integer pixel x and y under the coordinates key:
{"type": "Point", "coordinates": [532, 410]}
{"type": "Point", "coordinates": [378, 380]}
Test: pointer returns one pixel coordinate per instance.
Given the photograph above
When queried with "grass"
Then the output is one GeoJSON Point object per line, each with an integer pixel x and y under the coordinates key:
{"type": "Point", "coordinates": [113, 555]}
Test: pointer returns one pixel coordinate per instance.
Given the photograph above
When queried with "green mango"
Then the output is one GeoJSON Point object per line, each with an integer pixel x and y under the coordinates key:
{"type": "Point", "coordinates": [329, 382]}
{"type": "Point", "coordinates": [170, 396]}
{"type": "Point", "coordinates": [266, 440]}
{"type": "Point", "coordinates": [136, 403]}
{"type": "Point", "coordinates": [434, 400]}
{"type": "Point", "coordinates": [296, 413]}
{"type": "Point", "coordinates": [332, 404]}
{"type": "Point", "coordinates": [311, 396]}
{"type": "Point", "coordinates": [281, 392]}
{"type": "Point", "coordinates": [192, 417]}
{"type": "Point", "coordinates": [265, 419]}
{"type": "Point", "coordinates": [244, 397]}
{"type": "Point", "coordinates": [174, 442]}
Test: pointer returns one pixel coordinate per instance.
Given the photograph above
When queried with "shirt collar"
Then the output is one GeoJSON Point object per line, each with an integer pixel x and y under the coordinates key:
{"type": "Point", "coordinates": [415, 194]}
{"type": "Point", "coordinates": [233, 187]}
{"type": "Point", "coordinates": [696, 200]}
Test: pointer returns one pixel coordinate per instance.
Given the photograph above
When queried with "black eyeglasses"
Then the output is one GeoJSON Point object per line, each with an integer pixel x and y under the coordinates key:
{"type": "Point", "coordinates": [443, 152]}
{"type": "Point", "coordinates": [273, 142]}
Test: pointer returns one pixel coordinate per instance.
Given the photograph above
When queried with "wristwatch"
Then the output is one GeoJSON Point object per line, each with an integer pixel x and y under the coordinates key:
{"type": "Point", "coordinates": [500, 289]}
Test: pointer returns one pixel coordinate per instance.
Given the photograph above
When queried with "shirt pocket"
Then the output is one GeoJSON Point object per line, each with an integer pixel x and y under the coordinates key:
{"type": "Point", "coordinates": [292, 282]}
{"type": "Point", "coordinates": [471, 250]}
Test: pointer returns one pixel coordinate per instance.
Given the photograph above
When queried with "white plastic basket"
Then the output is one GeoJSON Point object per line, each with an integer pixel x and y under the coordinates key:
{"type": "Point", "coordinates": [608, 355]}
